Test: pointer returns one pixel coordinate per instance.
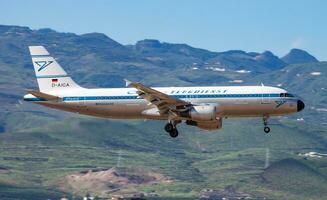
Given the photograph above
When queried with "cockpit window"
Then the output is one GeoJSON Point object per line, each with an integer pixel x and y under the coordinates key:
{"type": "Point", "coordinates": [286, 95]}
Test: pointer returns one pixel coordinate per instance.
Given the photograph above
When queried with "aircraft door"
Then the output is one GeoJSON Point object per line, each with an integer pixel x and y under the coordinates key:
{"type": "Point", "coordinates": [265, 98]}
{"type": "Point", "coordinates": [81, 103]}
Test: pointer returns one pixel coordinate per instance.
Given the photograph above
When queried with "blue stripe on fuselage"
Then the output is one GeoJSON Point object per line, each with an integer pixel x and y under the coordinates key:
{"type": "Point", "coordinates": [189, 96]}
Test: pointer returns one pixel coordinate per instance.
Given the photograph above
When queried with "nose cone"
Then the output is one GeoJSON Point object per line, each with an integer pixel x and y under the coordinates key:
{"type": "Point", "coordinates": [300, 105]}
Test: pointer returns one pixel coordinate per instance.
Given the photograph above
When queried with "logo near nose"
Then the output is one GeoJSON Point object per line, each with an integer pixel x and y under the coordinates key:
{"type": "Point", "coordinates": [280, 103]}
{"type": "Point", "coordinates": [43, 64]}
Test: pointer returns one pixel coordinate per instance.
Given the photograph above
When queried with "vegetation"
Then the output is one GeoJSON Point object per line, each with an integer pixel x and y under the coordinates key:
{"type": "Point", "coordinates": [39, 147]}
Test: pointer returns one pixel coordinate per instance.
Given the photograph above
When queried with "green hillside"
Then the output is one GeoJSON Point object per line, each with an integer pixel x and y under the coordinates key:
{"type": "Point", "coordinates": [289, 175]}
{"type": "Point", "coordinates": [42, 156]}
{"type": "Point", "coordinates": [42, 148]}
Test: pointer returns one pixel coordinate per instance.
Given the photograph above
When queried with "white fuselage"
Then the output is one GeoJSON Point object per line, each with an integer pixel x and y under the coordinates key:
{"type": "Point", "coordinates": [124, 103]}
{"type": "Point", "coordinates": [204, 107]}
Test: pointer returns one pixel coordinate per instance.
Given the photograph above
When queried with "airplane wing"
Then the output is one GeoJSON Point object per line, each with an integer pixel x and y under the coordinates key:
{"type": "Point", "coordinates": [164, 102]}
{"type": "Point", "coordinates": [48, 97]}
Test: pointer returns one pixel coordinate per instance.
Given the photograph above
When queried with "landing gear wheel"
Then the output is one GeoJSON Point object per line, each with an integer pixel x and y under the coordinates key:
{"type": "Point", "coordinates": [169, 127]}
{"type": "Point", "coordinates": [266, 129]}
{"type": "Point", "coordinates": [265, 123]}
{"type": "Point", "coordinates": [173, 133]}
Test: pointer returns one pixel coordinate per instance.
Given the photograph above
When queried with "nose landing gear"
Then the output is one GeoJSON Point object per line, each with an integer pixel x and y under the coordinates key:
{"type": "Point", "coordinates": [170, 127]}
{"type": "Point", "coordinates": [266, 129]}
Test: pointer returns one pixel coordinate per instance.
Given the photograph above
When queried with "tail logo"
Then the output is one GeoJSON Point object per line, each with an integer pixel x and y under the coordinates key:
{"type": "Point", "coordinates": [43, 64]}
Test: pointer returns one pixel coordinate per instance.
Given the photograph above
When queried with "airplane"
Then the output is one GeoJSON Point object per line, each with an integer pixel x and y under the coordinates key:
{"type": "Point", "coordinates": [203, 107]}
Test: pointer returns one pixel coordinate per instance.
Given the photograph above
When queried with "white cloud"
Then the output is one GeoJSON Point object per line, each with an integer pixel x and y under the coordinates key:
{"type": "Point", "coordinates": [297, 42]}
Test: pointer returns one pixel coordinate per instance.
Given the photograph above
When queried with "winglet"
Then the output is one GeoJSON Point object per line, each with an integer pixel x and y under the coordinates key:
{"type": "Point", "coordinates": [128, 83]}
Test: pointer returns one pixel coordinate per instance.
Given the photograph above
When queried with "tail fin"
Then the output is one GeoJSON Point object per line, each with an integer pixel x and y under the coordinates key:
{"type": "Point", "coordinates": [50, 75]}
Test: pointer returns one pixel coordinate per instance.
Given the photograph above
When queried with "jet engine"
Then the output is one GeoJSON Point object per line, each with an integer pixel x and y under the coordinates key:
{"type": "Point", "coordinates": [206, 112]}
{"type": "Point", "coordinates": [204, 116]}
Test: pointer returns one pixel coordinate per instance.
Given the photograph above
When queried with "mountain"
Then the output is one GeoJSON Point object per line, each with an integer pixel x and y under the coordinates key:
{"type": "Point", "coordinates": [43, 151]}
{"type": "Point", "coordinates": [298, 56]}
{"type": "Point", "coordinates": [268, 59]}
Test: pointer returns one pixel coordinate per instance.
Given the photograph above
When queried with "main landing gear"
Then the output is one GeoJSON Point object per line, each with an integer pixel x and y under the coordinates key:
{"type": "Point", "coordinates": [170, 127]}
{"type": "Point", "coordinates": [266, 129]}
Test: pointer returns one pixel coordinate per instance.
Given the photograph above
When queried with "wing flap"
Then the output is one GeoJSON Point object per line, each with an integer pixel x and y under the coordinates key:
{"type": "Point", "coordinates": [162, 101]}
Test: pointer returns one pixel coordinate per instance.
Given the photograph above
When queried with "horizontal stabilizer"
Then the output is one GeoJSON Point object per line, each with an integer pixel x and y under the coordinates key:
{"type": "Point", "coordinates": [42, 95]}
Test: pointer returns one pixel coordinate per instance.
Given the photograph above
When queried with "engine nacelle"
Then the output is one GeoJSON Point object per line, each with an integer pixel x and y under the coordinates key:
{"type": "Point", "coordinates": [201, 113]}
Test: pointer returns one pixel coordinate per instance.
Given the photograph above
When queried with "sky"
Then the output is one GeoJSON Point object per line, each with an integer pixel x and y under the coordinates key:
{"type": "Point", "coordinates": [216, 25]}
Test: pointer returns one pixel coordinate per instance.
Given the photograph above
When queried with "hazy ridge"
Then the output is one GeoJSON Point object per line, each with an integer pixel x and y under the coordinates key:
{"type": "Point", "coordinates": [36, 155]}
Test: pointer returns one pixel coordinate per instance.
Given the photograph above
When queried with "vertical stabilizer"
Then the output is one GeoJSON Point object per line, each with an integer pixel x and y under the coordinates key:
{"type": "Point", "coordinates": [50, 75]}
